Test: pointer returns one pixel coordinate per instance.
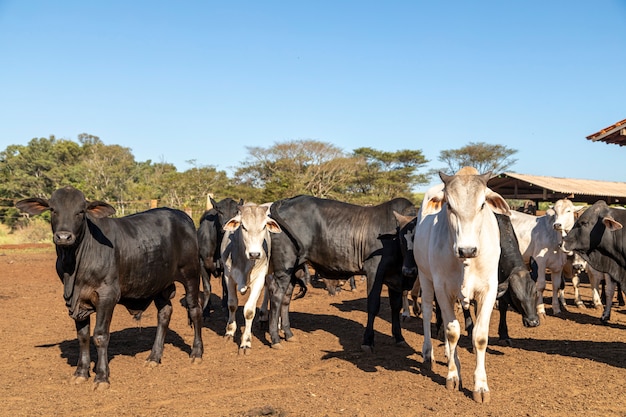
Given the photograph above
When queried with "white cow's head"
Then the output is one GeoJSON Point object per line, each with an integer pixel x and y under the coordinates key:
{"type": "Point", "coordinates": [468, 200]}
{"type": "Point", "coordinates": [565, 214]}
{"type": "Point", "coordinates": [255, 225]}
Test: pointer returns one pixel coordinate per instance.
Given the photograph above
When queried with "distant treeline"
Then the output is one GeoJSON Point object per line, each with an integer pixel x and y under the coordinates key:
{"type": "Point", "coordinates": [110, 173]}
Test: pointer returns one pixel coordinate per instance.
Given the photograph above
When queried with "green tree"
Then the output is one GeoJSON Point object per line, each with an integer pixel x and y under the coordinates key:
{"type": "Point", "coordinates": [385, 175]}
{"type": "Point", "coordinates": [38, 168]}
{"type": "Point", "coordinates": [480, 155]}
{"type": "Point", "coordinates": [296, 167]}
{"type": "Point", "coordinates": [108, 172]}
{"type": "Point", "coordinates": [189, 189]}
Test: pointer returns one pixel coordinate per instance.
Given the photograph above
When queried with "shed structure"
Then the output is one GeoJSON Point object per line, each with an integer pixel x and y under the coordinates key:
{"type": "Point", "coordinates": [537, 188]}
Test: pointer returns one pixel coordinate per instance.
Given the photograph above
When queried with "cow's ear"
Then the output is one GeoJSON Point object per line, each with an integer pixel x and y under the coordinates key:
{"type": "Point", "coordinates": [611, 224]}
{"type": "Point", "coordinates": [33, 206]}
{"type": "Point", "coordinates": [233, 224]}
{"type": "Point", "coordinates": [497, 203]}
{"type": "Point", "coordinates": [273, 226]}
{"type": "Point", "coordinates": [402, 219]}
{"type": "Point", "coordinates": [100, 209]}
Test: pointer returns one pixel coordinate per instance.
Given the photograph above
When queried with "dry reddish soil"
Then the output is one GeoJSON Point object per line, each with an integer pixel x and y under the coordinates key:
{"type": "Point", "coordinates": [567, 366]}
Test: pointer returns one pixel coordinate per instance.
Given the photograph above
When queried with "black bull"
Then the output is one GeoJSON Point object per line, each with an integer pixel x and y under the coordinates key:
{"type": "Point", "coordinates": [132, 261]}
{"type": "Point", "coordinates": [339, 240]}
{"type": "Point", "coordinates": [598, 236]}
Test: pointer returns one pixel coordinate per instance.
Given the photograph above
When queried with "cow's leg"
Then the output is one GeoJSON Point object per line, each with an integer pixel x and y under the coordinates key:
{"type": "Point", "coordinates": [101, 337]}
{"type": "Point", "coordinates": [232, 303]}
{"type": "Point", "coordinates": [480, 339]}
{"type": "Point", "coordinates": [352, 282]}
{"type": "Point", "coordinates": [503, 328]}
{"type": "Point", "coordinates": [556, 285]}
{"type": "Point", "coordinates": [576, 284]}
{"type": "Point", "coordinates": [610, 293]}
{"type": "Point", "coordinates": [453, 333]}
{"type": "Point", "coordinates": [206, 291]}
{"type": "Point", "coordinates": [428, 297]}
{"type": "Point", "coordinates": [164, 314]}
{"type": "Point", "coordinates": [264, 310]}
{"type": "Point", "coordinates": [415, 292]}
{"type": "Point", "coordinates": [406, 313]}
{"type": "Point", "coordinates": [285, 324]}
{"type": "Point", "coordinates": [374, 286]}
{"type": "Point", "coordinates": [195, 312]}
{"type": "Point", "coordinates": [84, 360]}
{"type": "Point", "coordinates": [541, 285]}
{"type": "Point", "coordinates": [277, 289]}
{"type": "Point", "coordinates": [249, 310]}
{"type": "Point", "coordinates": [395, 302]}
{"type": "Point", "coordinates": [620, 295]}
{"type": "Point", "coordinates": [594, 281]}
{"type": "Point", "coordinates": [224, 290]}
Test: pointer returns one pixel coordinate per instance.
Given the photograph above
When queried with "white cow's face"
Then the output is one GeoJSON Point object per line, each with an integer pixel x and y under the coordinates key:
{"type": "Point", "coordinates": [468, 201]}
{"type": "Point", "coordinates": [255, 226]}
{"type": "Point", "coordinates": [564, 216]}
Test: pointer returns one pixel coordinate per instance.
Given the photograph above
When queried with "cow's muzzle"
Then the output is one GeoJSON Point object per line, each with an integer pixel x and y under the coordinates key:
{"type": "Point", "coordinates": [64, 238]}
{"type": "Point", "coordinates": [468, 252]}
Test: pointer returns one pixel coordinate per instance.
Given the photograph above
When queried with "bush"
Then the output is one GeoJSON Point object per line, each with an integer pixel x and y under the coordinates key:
{"type": "Point", "coordinates": [36, 231]}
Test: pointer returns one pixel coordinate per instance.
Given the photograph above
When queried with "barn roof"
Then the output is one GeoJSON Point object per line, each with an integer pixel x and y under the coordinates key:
{"type": "Point", "coordinates": [613, 134]}
{"type": "Point", "coordinates": [539, 188]}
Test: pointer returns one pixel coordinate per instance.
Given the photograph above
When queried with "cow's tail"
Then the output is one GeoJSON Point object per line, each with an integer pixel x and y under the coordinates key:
{"type": "Point", "coordinates": [303, 288]}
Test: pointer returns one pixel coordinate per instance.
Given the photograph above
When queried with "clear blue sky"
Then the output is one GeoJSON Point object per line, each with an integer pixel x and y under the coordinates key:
{"type": "Point", "coordinates": [203, 80]}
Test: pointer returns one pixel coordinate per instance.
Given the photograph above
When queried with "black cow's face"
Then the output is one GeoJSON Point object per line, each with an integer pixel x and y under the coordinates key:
{"type": "Point", "coordinates": [68, 209]}
{"type": "Point", "coordinates": [587, 232]}
{"type": "Point", "coordinates": [523, 291]}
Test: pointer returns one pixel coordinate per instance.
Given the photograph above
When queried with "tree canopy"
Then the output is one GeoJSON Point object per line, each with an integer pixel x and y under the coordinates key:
{"type": "Point", "coordinates": [480, 155]}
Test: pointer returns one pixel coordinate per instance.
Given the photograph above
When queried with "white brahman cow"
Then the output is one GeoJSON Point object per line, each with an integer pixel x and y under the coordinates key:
{"type": "Point", "coordinates": [245, 251]}
{"type": "Point", "coordinates": [541, 238]}
{"type": "Point", "coordinates": [457, 250]}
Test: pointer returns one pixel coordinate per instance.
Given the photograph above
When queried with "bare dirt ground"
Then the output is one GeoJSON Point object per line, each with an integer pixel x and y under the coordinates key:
{"type": "Point", "coordinates": [567, 366]}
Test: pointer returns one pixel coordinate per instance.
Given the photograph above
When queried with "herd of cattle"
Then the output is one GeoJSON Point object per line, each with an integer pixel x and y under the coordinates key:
{"type": "Point", "coordinates": [464, 245]}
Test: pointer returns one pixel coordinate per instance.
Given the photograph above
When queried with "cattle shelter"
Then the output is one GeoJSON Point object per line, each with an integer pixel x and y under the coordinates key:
{"type": "Point", "coordinates": [540, 188]}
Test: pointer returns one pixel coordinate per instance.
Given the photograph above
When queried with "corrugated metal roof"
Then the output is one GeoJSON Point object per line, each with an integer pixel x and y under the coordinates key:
{"type": "Point", "coordinates": [574, 186]}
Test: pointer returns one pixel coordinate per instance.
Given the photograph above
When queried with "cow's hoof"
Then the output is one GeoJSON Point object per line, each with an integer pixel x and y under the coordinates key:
{"type": "Point", "coordinates": [482, 397]}
{"type": "Point", "coordinates": [228, 337]}
{"type": "Point", "coordinates": [581, 305]}
{"type": "Point", "coordinates": [505, 342]}
{"type": "Point", "coordinates": [453, 384]}
{"type": "Point", "coordinates": [196, 360]}
{"type": "Point", "coordinates": [427, 365]}
{"type": "Point", "coordinates": [244, 350]}
{"type": "Point", "coordinates": [78, 379]}
{"type": "Point", "coordinates": [278, 346]}
{"type": "Point", "coordinates": [402, 343]}
{"type": "Point", "coordinates": [367, 348]}
{"type": "Point", "coordinates": [151, 364]}
{"type": "Point", "coordinates": [101, 386]}
{"type": "Point", "coordinates": [542, 318]}
{"type": "Point", "coordinates": [291, 339]}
